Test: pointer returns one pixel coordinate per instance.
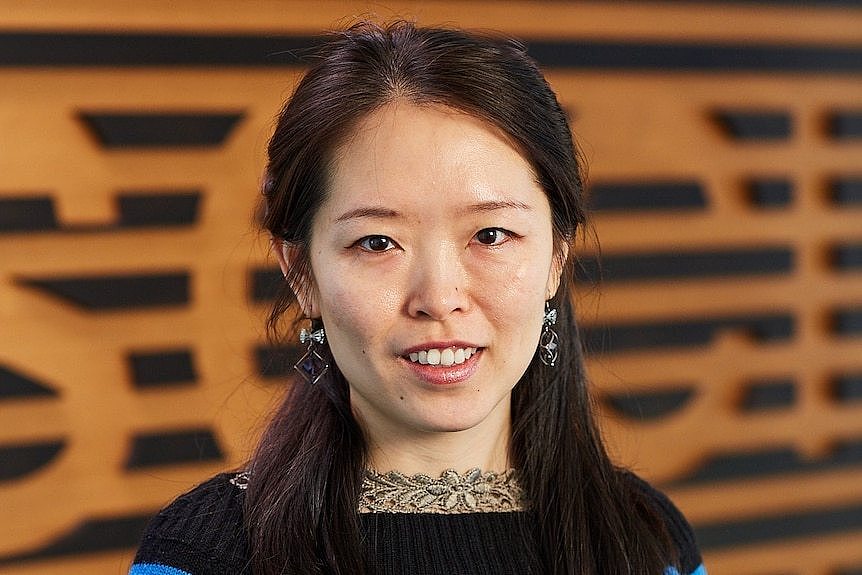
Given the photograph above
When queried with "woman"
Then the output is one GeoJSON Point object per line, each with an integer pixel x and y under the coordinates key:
{"type": "Point", "coordinates": [422, 193]}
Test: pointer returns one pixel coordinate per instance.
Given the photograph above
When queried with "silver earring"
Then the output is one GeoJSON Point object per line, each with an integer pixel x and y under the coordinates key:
{"type": "Point", "coordinates": [548, 341]}
{"type": "Point", "coordinates": [311, 366]}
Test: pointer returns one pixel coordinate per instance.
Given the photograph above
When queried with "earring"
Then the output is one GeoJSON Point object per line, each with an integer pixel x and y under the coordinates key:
{"type": "Point", "coordinates": [548, 340]}
{"type": "Point", "coordinates": [311, 366]}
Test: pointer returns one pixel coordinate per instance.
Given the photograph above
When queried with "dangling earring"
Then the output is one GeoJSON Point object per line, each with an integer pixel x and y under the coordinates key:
{"type": "Point", "coordinates": [311, 366]}
{"type": "Point", "coordinates": [548, 340]}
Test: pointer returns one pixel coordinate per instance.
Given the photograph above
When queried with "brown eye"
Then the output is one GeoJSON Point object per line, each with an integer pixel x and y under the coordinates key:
{"type": "Point", "coordinates": [491, 236]}
{"type": "Point", "coordinates": [376, 243]}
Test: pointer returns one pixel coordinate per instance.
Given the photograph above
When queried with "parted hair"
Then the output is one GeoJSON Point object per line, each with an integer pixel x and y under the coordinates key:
{"type": "Point", "coordinates": [301, 503]}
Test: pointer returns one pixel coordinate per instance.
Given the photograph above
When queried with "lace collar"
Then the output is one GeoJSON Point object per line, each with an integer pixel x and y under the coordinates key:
{"type": "Point", "coordinates": [472, 492]}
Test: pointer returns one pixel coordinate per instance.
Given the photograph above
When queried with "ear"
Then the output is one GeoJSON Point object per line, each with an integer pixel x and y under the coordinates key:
{"type": "Point", "coordinates": [303, 285]}
{"type": "Point", "coordinates": [558, 264]}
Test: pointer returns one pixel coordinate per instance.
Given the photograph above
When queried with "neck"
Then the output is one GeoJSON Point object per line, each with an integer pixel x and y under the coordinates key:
{"type": "Point", "coordinates": [484, 446]}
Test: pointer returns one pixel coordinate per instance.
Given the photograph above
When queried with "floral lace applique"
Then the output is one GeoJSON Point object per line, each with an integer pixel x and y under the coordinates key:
{"type": "Point", "coordinates": [473, 492]}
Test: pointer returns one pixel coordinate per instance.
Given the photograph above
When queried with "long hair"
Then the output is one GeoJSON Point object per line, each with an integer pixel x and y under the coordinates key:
{"type": "Point", "coordinates": [301, 503]}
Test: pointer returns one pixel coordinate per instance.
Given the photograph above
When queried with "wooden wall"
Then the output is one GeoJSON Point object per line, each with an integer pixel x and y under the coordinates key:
{"type": "Point", "coordinates": [725, 148]}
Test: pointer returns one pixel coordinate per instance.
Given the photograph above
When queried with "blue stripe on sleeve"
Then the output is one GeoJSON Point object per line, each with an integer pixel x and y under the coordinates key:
{"type": "Point", "coordinates": [155, 569]}
{"type": "Point", "coordinates": [701, 570]}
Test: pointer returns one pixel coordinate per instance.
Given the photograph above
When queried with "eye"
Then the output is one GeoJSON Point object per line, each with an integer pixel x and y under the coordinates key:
{"type": "Point", "coordinates": [492, 236]}
{"type": "Point", "coordinates": [376, 243]}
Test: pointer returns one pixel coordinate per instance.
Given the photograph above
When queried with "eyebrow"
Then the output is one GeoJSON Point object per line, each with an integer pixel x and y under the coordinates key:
{"type": "Point", "coordinates": [381, 212]}
{"type": "Point", "coordinates": [368, 212]}
{"type": "Point", "coordinates": [491, 206]}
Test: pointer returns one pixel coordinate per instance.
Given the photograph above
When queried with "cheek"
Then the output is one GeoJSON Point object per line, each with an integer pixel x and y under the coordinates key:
{"type": "Point", "coordinates": [514, 303]}
{"type": "Point", "coordinates": [521, 282]}
{"type": "Point", "coordinates": [358, 308]}
{"type": "Point", "coordinates": [341, 309]}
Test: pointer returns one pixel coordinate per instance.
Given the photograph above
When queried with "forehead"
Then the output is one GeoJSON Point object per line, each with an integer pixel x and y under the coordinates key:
{"type": "Point", "coordinates": [403, 153]}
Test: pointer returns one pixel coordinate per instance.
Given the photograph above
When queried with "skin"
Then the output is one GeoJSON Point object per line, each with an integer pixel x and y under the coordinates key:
{"type": "Point", "coordinates": [435, 231]}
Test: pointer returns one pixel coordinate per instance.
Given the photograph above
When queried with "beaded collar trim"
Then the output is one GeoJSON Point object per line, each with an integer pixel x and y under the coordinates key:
{"type": "Point", "coordinates": [394, 492]}
{"type": "Point", "coordinates": [473, 492]}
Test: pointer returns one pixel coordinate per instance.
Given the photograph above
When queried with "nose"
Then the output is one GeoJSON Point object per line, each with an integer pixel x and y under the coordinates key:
{"type": "Point", "coordinates": [438, 284]}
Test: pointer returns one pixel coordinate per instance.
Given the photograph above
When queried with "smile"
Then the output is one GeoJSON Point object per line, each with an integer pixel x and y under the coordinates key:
{"type": "Point", "coordinates": [443, 357]}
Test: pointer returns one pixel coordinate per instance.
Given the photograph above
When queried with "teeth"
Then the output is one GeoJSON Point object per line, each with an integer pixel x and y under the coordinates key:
{"type": "Point", "coordinates": [445, 357]}
{"type": "Point", "coordinates": [433, 357]}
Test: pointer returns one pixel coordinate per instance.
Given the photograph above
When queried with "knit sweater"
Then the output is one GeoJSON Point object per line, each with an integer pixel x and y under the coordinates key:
{"type": "Point", "coordinates": [202, 533]}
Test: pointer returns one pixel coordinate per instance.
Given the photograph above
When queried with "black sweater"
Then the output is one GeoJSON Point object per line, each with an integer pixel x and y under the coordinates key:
{"type": "Point", "coordinates": [202, 533]}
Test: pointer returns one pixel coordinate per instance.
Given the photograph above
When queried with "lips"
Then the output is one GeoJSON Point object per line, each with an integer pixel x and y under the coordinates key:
{"type": "Point", "coordinates": [442, 355]}
{"type": "Point", "coordinates": [443, 363]}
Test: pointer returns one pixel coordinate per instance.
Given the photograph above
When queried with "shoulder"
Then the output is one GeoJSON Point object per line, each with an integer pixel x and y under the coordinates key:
{"type": "Point", "coordinates": [200, 533]}
{"type": "Point", "coordinates": [677, 526]}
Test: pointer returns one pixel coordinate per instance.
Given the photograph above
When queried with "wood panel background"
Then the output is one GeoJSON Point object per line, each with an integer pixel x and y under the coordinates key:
{"type": "Point", "coordinates": [724, 142]}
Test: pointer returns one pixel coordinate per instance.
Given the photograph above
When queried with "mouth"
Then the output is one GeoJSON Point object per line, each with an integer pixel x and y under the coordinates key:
{"type": "Point", "coordinates": [443, 356]}
{"type": "Point", "coordinates": [443, 363]}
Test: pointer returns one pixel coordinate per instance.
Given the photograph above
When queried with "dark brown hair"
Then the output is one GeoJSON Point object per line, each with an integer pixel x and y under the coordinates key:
{"type": "Point", "coordinates": [306, 474]}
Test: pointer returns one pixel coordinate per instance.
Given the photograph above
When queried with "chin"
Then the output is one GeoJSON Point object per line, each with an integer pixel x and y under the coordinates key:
{"type": "Point", "coordinates": [453, 422]}
{"type": "Point", "coordinates": [449, 427]}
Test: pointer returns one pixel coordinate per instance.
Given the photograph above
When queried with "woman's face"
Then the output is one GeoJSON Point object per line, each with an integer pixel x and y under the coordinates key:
{"type": "Point", "coordinates": [432, 258]}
